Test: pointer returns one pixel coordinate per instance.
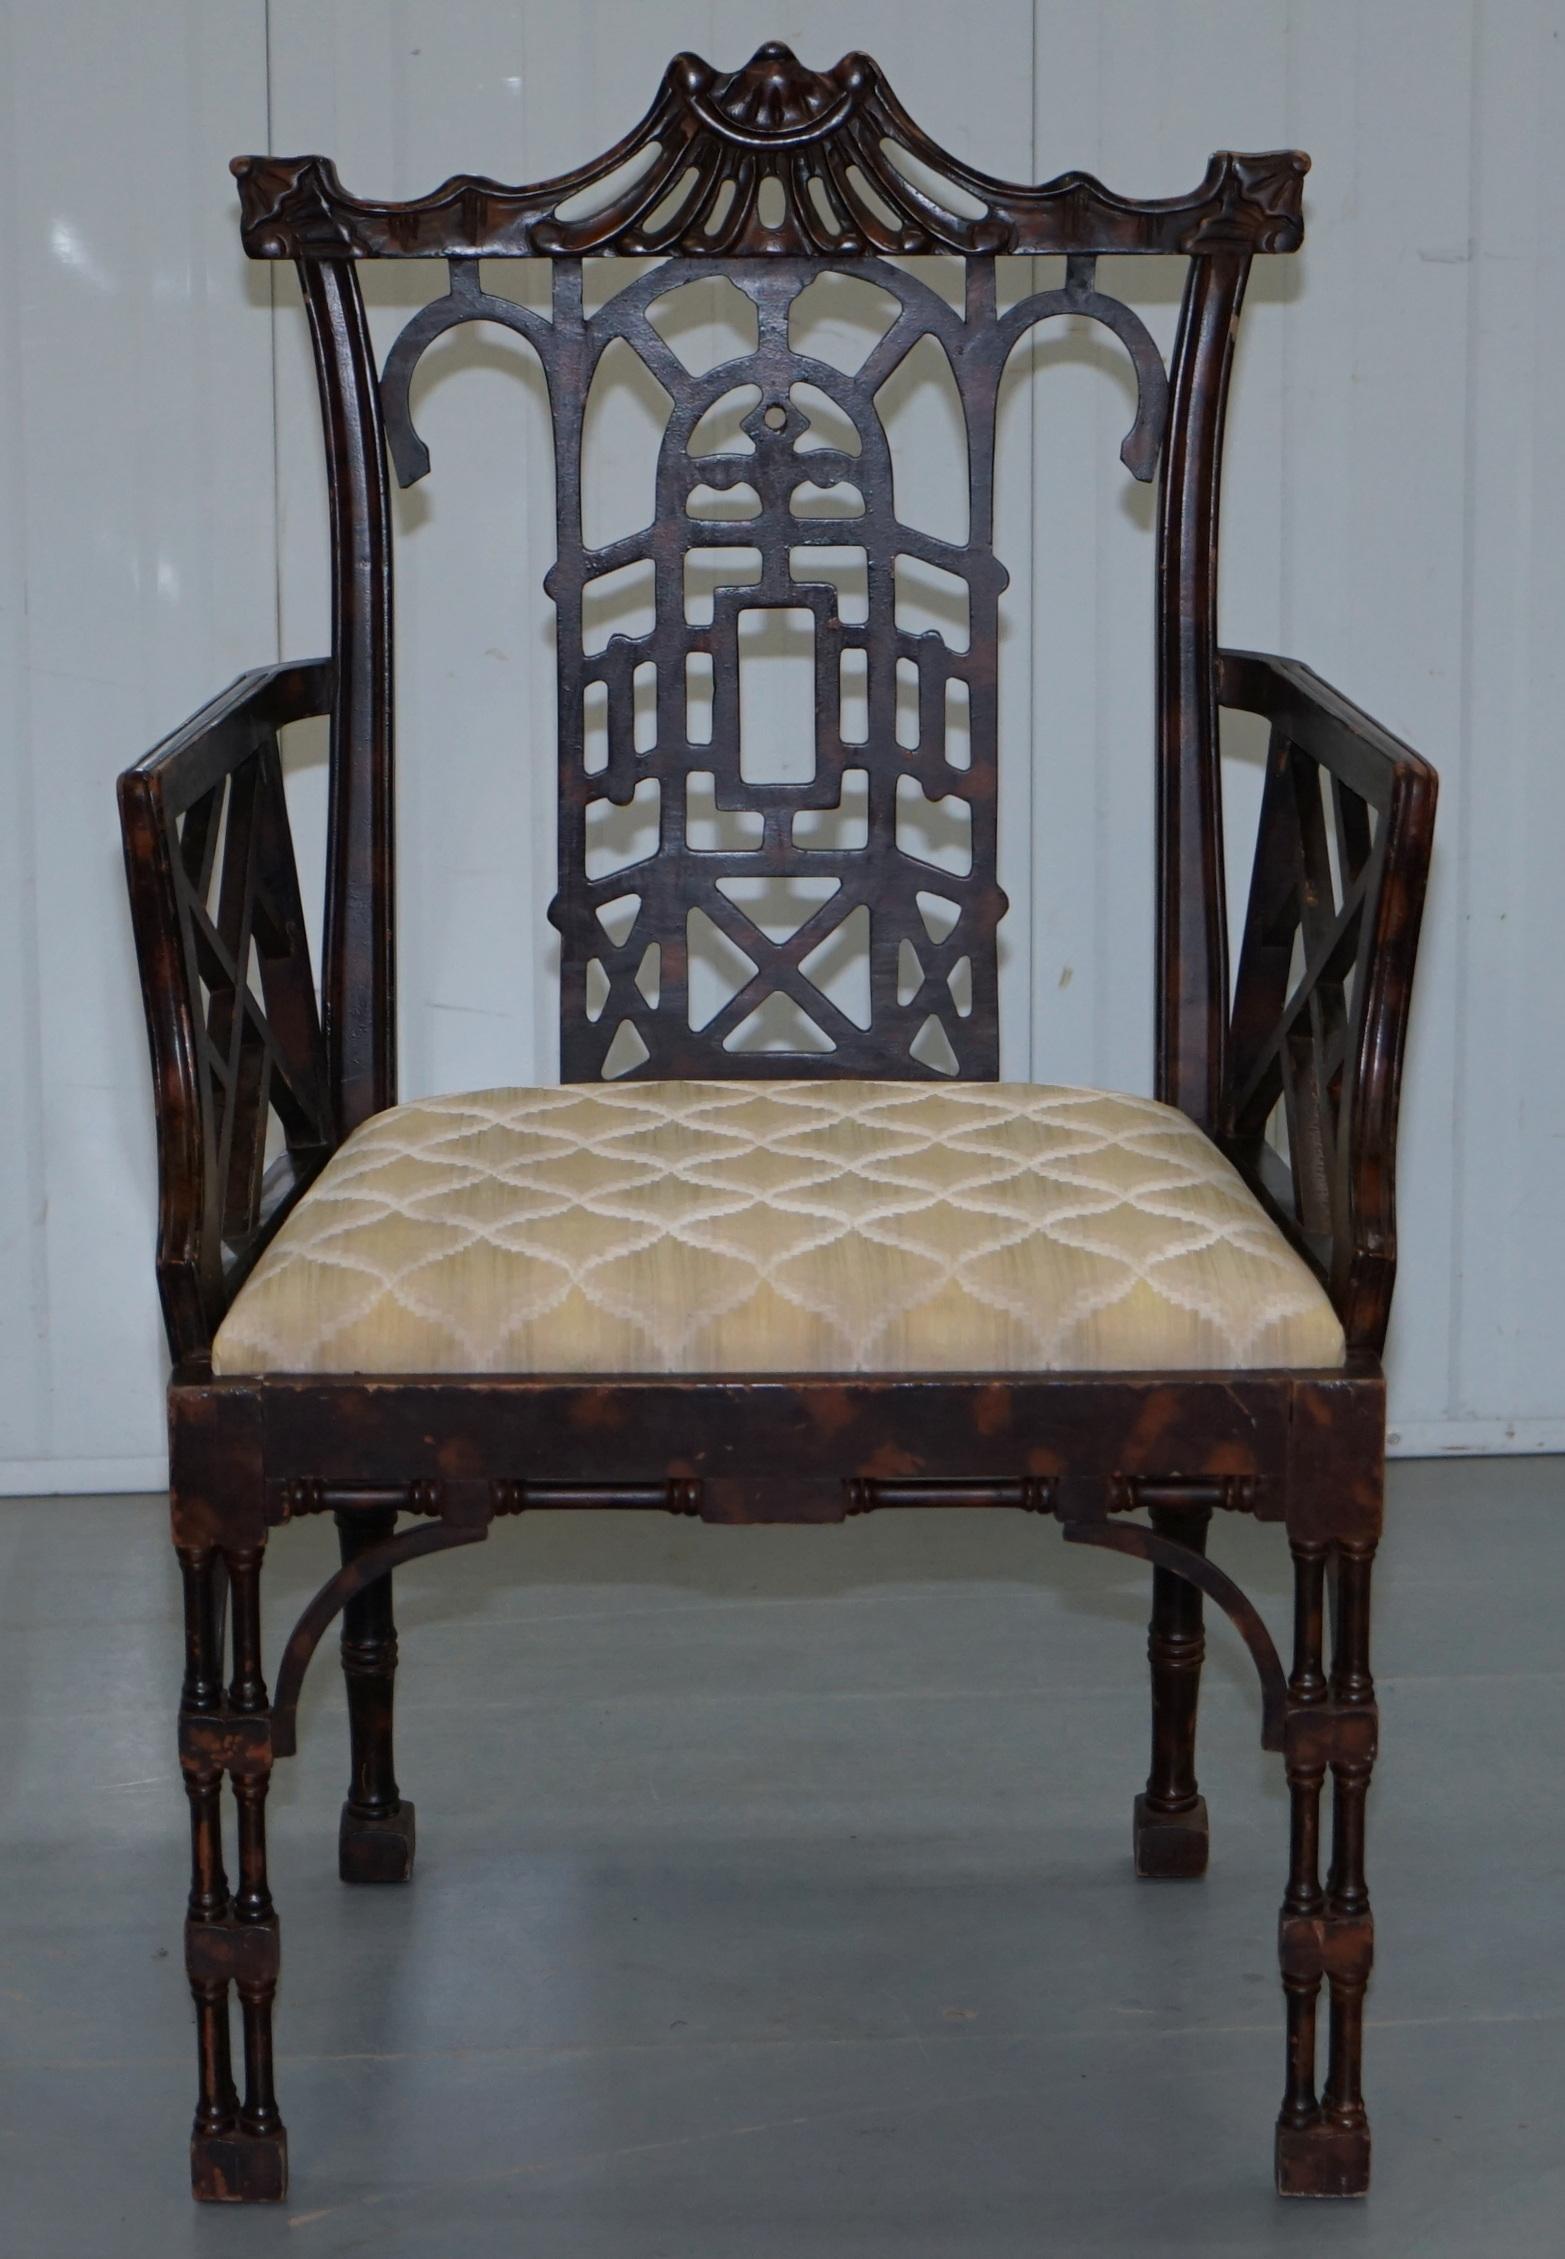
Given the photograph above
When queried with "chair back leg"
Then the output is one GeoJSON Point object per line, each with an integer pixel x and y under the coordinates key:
{"type": "Point", "coordinates": [375, 1840]}
{"type": "Point", "coordinates": [1171, 1834]}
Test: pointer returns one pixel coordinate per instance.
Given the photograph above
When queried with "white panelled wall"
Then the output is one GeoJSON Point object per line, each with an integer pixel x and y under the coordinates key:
{"type": "Point", "coordinates": [1392, 515]}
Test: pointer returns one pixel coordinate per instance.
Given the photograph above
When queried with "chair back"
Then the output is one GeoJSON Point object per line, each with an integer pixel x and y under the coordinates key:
{"type": "Point", "coordinates": [740, 894]}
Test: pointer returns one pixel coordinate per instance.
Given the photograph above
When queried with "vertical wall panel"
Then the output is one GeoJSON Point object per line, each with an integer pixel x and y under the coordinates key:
{"type": "Point", "coordinates": [1064, 393]}
{"type": "Point", "coordinates": [1139, 91]}
{"type": "Point", "coordinates": [1396, 473]}
{"type": "Point", "coordinates": [141, 577]}
{"type": "Point", "coordinates": [1377, 458]}
{"type": "Point", "coordinates": [1509, 1227]}
{"type": "Point", "coordinates": [24, 1401]}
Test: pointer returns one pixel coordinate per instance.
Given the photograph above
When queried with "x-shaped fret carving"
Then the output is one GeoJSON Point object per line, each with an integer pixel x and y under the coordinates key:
{"type": "Point", "coordinates": [256, 1053]}
{"type": "Point", "coordinates": [777, 966]}
{"type": "Point", "coordinates": [1294, 1033]}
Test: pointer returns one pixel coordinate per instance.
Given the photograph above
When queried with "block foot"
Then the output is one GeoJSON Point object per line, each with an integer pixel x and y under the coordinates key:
{"type": "Point", "coordinates": [376, 1850]}
{"type": "Point", "coordinates": [1171, 1846]}
{"type": "Point", "coordinates": [1322, 2160]}
{"type": "Point", "coordinates": [239, 2167]}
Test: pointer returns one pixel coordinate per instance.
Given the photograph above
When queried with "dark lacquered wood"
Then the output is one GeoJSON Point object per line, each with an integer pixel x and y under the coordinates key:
{"type": "Point", "coordinates": [376, 1836]}
{"type": "Point", "coordinates": [1327, 1930]}
{"type": "Point", "coordinates": [1304, 1898]}
{"type": "Point", "coordinates": [821, 136]}
{"type": "Point", "coordinates": [359, 948]}
{"type": "Point", "coordinates": [1192, 948]}
{"type": "Point", "coordinates": [236, 1041]}
{"type": "Point", "coordinates": [1341, 859]}
{"type": "Point", "coordinates": [376, 1840]}
{"type": "Point", "coordinates": [225, 1061]}
{"type": "Point", "coordinates": [1170, 1791]}
{"type": "Point", "coordinates": [238, 2145]}
{"type": "Point", "coordinates": [1171, 1829]}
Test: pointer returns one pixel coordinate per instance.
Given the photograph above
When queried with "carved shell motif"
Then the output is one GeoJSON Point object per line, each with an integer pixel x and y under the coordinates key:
{"type": "Point", "coordinates": [775, 157]}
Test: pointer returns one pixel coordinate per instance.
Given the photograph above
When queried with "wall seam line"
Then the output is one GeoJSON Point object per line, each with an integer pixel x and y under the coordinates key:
{"type": "Point", "coordinates": [1462, 861]}
{"type": "Point", "coordinates": [271, 324]}
{"type": "Point", "coordinates": [1034, 986]}
{"type": "Point", "coordinates": [25, 811]}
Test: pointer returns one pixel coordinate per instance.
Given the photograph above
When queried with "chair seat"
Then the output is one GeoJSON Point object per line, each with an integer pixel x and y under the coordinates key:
{"type": "Point", "coordinates": [791, 1226]}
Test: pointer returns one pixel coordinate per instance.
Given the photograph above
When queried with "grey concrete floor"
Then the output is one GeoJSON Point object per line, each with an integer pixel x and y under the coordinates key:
{"type": "Point", "coordinates": [774, 1901]}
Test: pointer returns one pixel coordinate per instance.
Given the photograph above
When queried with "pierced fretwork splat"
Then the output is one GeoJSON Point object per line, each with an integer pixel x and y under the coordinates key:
{"type": "Point", "coordinates": [774, 490]}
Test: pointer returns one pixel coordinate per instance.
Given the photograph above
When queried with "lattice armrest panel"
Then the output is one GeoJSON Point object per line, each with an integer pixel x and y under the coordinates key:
{"type": "Point", "coordinates": [1325, 976]}
{"type": "Point", "coordinates": [244, 1116]}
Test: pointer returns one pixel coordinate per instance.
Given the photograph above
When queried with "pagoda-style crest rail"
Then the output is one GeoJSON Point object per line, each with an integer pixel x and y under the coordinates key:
{"type": "Point", "coordinates": [771, 158]}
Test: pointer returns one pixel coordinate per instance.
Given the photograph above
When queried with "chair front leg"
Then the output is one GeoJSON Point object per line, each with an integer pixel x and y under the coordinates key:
{"type": "Point", "coordinates": [376, 1836]}
{"type": "Point", "coordinates": [217, 2103]}
{"type": "Point", "coordinates": [1171, 1833]}
{"type": "Point", "coordinates": [1323, 2146]}
{"type": "Point", "coordinates": [239, 2149]}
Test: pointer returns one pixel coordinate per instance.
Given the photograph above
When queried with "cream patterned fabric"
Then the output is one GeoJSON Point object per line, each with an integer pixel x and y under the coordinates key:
{"type": "Point", "coordinates": [778, 1227]}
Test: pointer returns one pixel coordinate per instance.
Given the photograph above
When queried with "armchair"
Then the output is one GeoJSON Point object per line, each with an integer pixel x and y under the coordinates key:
{"type": "Point", "coordinates": [847, 1272]}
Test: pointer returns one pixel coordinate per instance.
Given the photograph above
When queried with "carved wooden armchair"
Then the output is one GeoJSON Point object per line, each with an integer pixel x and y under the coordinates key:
{"type": "Point", "coordinates": [776, 1284]}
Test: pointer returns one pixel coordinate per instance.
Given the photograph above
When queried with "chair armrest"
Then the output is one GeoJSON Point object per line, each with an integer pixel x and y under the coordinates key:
{"type": "Point", "coordinates": [230, 999]}
{"type": "Point", "coordinates": [1325, 976]}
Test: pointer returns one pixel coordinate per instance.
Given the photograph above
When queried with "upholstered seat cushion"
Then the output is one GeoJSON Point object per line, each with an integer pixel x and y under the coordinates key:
{"type": "Point", "coordinates": [778, 1227]}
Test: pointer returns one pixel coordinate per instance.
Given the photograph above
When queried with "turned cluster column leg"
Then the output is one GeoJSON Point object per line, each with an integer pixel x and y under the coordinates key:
{"type": "Point", "coordinates": [1326, 1932]}
{"type": "Point", "coordinates": [1304, 1900]}
{"type": "Point", "coordinates": [217, 2104]}
{"type": "Point", "coordinates": [1171, 1832]}
{"type": "Point", "coordinates": [238, 2149]}
{"type": "Point", "coordinates": [375, 1840]}
{"type": "Point", "coordinates": [1349, 1920]}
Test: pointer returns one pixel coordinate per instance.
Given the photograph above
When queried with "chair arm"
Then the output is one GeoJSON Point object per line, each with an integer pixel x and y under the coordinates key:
{"type": "Point", "coordinates": [1325, 976]}
{"type": "Point", "coordinates": [230, 998]}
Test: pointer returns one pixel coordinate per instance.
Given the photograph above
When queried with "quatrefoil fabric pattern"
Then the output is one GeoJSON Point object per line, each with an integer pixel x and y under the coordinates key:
{"type": "Point", "coordinates": [791, 1226]}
